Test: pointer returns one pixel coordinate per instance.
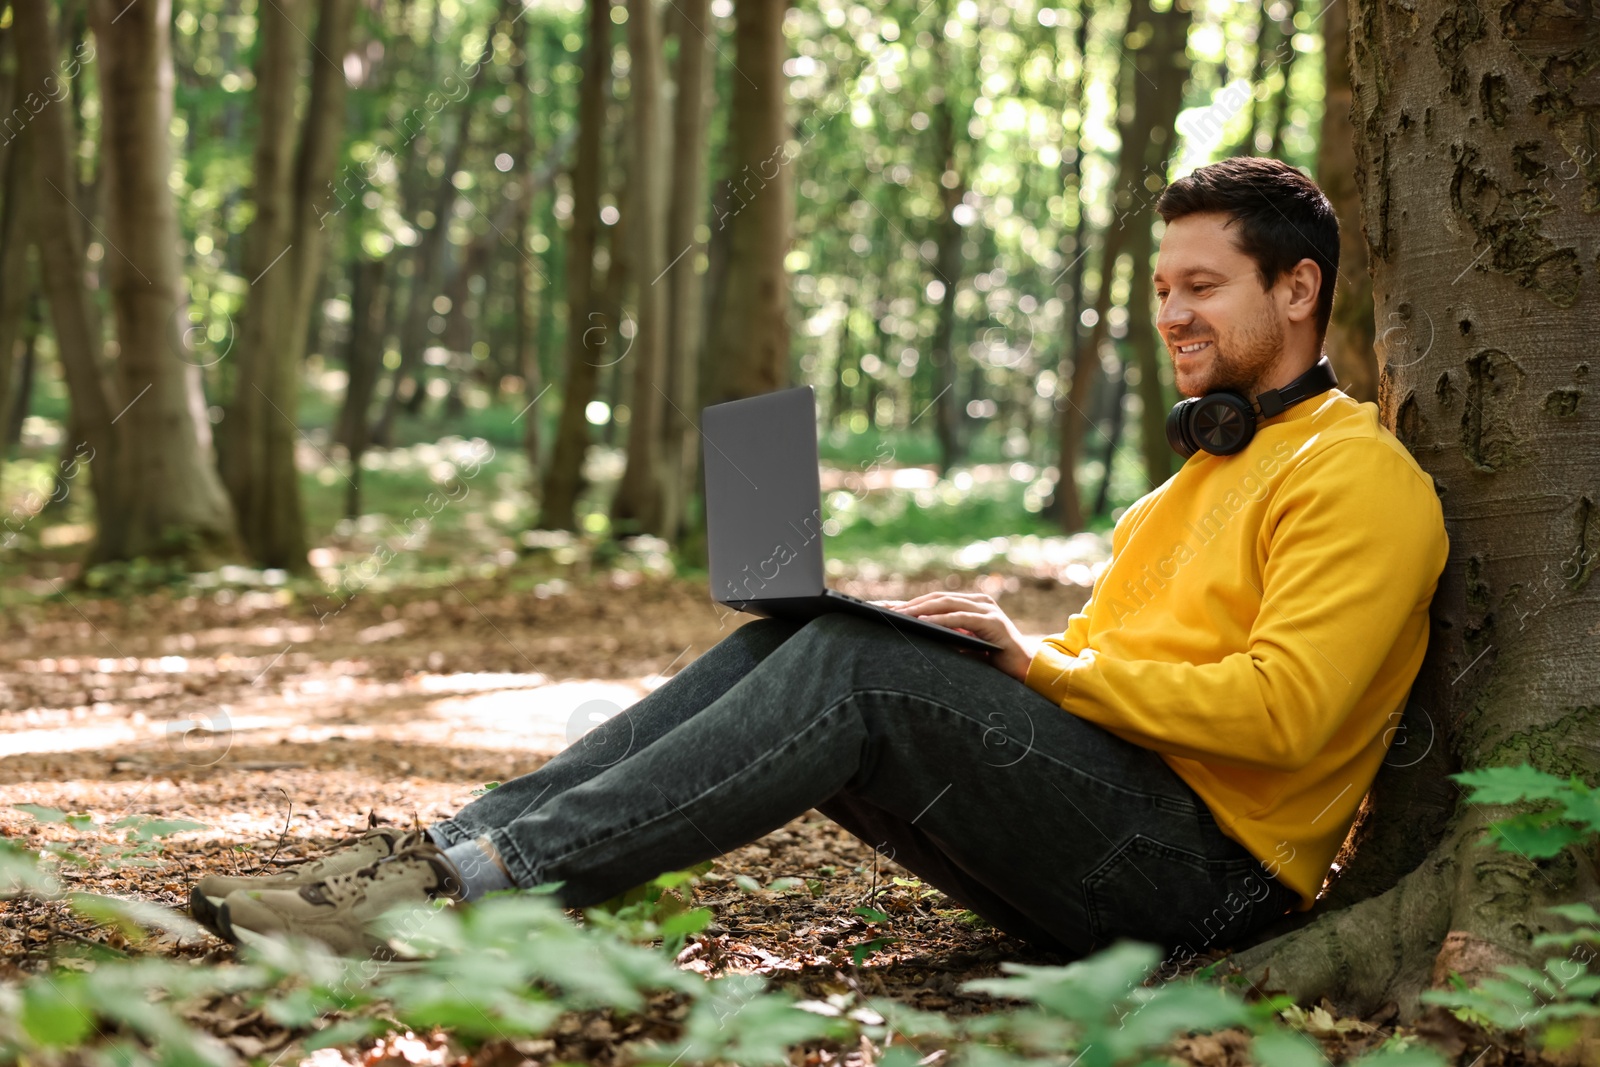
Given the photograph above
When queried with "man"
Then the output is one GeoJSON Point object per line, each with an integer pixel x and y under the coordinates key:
{"type": "Point", "coordinates": [1179, 765]}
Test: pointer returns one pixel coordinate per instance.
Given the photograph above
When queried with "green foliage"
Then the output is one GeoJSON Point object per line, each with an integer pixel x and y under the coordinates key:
{"type": "Point", "coordinates": [1547, 999]}
{"type": "Point", "coordinates": [1569, 810]}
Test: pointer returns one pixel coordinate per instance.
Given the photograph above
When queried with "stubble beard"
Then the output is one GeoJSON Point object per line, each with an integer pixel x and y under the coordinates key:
{"type": "Point", "coordinates": [1241, 360]}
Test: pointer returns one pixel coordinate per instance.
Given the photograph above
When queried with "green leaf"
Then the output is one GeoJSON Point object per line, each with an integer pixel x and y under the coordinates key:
{"type": "Point", "coordinates": [344, 1032]}
{"type": "Point", "coordinates": [150, 827]}
{"type": "Point", "coordinates": [784, 885]}
{"type": "Point", "coordinates": [1285, 1048]}
{"type": "Point", "coordinates": [747, 883]}
{"type": "Point", "coordinates": [688, 922]}
{"type": "Point", "coordinates": [1534, 836]}
{"type": "Point", "coordinates": [1507, 785]}
{"type": "Point", "coordinates": [134, 917]}
{"type": "Point", "coordinates": [55, 1011]}
{"type": "Point", "coordinates": [870, 914]}
{"type": "Point", "coordinates": [42, 813]}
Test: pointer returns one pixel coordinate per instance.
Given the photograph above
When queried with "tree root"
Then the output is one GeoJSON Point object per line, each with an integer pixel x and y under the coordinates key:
{"type": "Point", "coordinates": [1467, 909]}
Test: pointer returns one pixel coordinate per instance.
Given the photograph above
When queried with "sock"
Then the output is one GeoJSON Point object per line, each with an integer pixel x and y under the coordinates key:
{"type": "Point", "coordinates": [479, 868]}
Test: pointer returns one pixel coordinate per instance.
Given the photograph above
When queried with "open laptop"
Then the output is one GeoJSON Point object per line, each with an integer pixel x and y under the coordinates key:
{"type": "Point", "coordinates": [764, 516]}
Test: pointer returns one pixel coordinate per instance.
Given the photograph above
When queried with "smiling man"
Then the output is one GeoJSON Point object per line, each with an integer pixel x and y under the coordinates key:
{"type": "Point", "coordinates": [1179, 765]}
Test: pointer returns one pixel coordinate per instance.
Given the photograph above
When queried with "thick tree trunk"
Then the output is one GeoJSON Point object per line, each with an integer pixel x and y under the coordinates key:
{"type": "Point", "coordinates": [637, 506]}
{"type": "Point", "coordinates": [1478, 186]}
{"type": "Point", "coordinates": [750, 339]}
{"type": "Point", "coordinates": [563, 479]}
{"type": "Point", "coordinates": [74, 315]}
{"type": "Point", "coordinates": [1349, 344]}
{"type": "Point", "coordinates": [177, 506]}
{"type": "Point", "coordinates": [692, 26]}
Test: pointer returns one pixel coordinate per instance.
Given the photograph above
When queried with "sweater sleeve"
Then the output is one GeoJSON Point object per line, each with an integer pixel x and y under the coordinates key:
{"type": "Point", "coordinates": [1355, 543]}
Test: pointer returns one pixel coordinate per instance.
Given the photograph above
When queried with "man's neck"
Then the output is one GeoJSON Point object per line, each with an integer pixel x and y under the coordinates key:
{"type": "Point", "coordinates": [1286, 370]}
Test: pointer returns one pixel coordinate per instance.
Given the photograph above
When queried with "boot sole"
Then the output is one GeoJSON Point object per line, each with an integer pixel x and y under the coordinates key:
{"type": "Point", "coordinates": [204, 909]}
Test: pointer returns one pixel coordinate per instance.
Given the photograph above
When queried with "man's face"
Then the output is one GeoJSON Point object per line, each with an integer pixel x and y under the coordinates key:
{"type": "Point", "coordinates": [1221, 330]}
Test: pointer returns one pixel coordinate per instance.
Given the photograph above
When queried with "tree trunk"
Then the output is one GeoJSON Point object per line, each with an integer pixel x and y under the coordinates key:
{"type": "Point", "coordinates": [16, 275]}
{"type": "Point", "coordinates": [1351, 333]}
{"type": "Point", "coordinates": [177, 506]}
{"type": "Point", "coordinates": [1280, 101]}
{"type": "Point", "coordinates": [1164, 63]}
{"type": "Point", "coordinates": [1146, 144]}
{"type": "Point", "coordinates": [258, 438]}
{"type": "Point", "coordinates": [1477, 187]}
{"type": "Point", "coordinates": [1064, 505]}
{"type": "Point", "coordinates": [952, 186]}
{"type": "Point", "coordinates": [638, 504]}
{"type": "Point", "coordinates": [751, 337]}
{"type": "Point", "coordinates": [522, 316]}
{"type": "Point", "coordinates": [363, 361]}
{"type": "Point", "coordinates": [692, 26]}
{"type": "Point", "coordinates": [564, 478]}
{"type": "Point", "coordinates": [74, 314]}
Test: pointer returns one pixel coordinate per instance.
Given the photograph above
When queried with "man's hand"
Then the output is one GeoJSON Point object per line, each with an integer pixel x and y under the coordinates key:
{"type": "Point", "coordinates": [976, 614]}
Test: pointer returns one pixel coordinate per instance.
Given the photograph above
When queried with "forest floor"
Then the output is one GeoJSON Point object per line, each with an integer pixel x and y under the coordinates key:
{"type": "Point", "coordinates": [286, 725]}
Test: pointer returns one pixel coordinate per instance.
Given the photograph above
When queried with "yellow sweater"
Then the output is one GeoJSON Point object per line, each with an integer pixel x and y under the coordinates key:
{"type": "Point", "coordinates": [1260, 623]}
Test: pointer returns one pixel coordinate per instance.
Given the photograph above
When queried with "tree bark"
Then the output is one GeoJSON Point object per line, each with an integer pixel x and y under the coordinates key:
{"type": "Point", "coordinates": [16, 275]}
{"type": "Point", "coordinates": [686, 215]}
{"type": "Point", "coordinates": [1351, 333]}
{"type": "Point", "coordinates": [74, 314]}
{"type": "Point", "coordinates": [363, 361]}
{"type": "Point", "coordinates": [563, 479]}
{"type": "Point", "coordinates": [750, 339]}
{"type": "Point", "coordinates": [258, 438]}
{"type": "Point", "coordinates": [177, 506]}
{"type": "Point", "coordinates": [1477, 182]}
{"type": "Point", "coordinates": [522, 316]}
{"type": "Point", "coordinates": [638, 504]}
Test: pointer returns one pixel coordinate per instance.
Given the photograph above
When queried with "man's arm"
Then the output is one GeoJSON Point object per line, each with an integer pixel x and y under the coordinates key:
{"type": "Point", "coordinates": [1353, 548]}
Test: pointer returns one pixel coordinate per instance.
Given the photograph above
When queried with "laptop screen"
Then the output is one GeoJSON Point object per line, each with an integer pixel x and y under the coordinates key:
{"type": "Point", "coordinates": [763, 497]}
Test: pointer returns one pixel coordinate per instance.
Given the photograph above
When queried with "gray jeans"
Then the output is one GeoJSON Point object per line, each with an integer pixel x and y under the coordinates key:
{"type": "Point", "coordinates": [1046, 825]}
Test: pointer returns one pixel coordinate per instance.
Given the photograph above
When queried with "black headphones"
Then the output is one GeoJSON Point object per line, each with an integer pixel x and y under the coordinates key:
{"type": "Point", "coordinates": [1223, 422]}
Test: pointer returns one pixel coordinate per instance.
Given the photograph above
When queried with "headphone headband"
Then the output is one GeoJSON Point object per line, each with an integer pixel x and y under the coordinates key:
{"type": "Point", "coordinates": [1318, 379]}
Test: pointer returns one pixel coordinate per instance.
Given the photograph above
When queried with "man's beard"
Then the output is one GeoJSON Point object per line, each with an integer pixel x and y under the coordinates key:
{"type": "Point", "coordinates": [1250, 354]}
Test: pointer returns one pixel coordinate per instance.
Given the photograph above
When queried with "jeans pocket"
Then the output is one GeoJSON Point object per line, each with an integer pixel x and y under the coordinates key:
{"type": "Point", "coordinates": [1148, 890]}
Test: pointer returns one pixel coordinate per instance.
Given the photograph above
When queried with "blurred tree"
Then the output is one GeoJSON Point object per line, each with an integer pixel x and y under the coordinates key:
{"type": "Point", "coordinates": [563, 479]}
{"type": "Point", "coordinates": [750, 337]}
{"type": "Point", "coordinates": [294, 162]}
{"type": "Point", "coordinates": [637, 506]}
{"type": "Point", "coordinates": [686, 297]}
{"type": "Point", "coordinates": [176, 503]}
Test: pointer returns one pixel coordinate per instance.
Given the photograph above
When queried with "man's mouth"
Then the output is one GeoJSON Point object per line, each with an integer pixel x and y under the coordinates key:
{"type": "Point", "coordinates": [1191, 348]}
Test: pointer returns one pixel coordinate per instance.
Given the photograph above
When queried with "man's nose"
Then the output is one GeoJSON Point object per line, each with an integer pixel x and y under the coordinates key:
{"type": "Point", "coordinates": [1173, 313]}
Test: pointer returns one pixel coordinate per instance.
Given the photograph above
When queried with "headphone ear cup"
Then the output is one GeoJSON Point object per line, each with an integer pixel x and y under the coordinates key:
{"type": "Point", "coordinates": [1178, 435]}
{"type": "Point", "coordinates": [1220, 423]}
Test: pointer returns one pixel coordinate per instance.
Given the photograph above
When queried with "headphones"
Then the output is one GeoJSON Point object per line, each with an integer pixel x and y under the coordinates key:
{"type": "Point", "coordinates": [1223, 422]}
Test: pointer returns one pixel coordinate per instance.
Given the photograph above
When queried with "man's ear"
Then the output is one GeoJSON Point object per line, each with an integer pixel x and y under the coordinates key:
{"type": "Point", "coordinates": [1303, 283]}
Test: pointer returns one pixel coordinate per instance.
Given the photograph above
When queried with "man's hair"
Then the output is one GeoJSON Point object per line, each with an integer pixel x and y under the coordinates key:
{"type": "Point", "coordinates": [1283, 217]}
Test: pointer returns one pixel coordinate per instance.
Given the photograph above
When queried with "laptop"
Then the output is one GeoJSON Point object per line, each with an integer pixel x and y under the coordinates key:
{"type": "Point", "coordinates": [764, 516]}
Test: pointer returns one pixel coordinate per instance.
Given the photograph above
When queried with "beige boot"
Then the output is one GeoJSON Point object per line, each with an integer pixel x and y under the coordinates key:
{"type": "Point", "coordinates": [339, 910]}
{"type": "Point", "coordinates": [372, 846]}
